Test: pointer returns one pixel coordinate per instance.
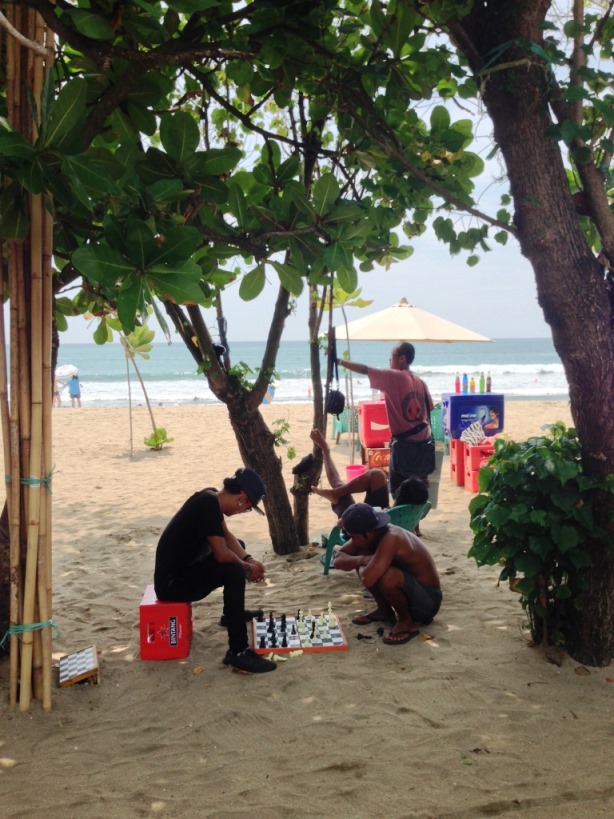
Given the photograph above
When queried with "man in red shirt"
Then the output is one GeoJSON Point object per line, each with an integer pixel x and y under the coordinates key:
{"type": "Point", "coordinates": [409, 406]}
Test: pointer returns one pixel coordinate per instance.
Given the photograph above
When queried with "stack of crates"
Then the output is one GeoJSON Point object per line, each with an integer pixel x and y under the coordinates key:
{"type": "Point", "coordinates": [474, 458]}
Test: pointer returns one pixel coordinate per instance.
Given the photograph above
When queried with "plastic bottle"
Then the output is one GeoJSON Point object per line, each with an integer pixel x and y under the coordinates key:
{"type": "Point", "coordinates": [488, 383]}
{"type": "Point", "coordinates": [472, 385]}
{"type": "Point", "coordinates": [457, 383]}
{"type": "Point", "coordinates": [482, 382]}
{"type": "Point", "coordinates": [465, 383]}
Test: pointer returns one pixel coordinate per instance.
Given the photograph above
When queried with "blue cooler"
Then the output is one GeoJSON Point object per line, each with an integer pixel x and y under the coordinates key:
{"type": "Point", "coordinates": [461, 410]}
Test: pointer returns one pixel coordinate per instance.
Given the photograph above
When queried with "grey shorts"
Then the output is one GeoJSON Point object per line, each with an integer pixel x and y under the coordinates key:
{"type": "Point", "coordinates": [424, 602]}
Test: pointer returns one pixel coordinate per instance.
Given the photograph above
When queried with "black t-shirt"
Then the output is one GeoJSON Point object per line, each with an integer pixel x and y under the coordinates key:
{"type": "Point", "coordinates": [184, 542]}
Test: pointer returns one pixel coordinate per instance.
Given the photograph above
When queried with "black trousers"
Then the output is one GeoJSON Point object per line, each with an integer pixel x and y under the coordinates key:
{"type": "Point", "coordinates": [200, 580]}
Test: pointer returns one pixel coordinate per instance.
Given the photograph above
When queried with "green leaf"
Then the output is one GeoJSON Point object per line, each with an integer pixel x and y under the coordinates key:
{"type": "Point", "coordinates": [348, 279]}
{"type": "Point", "coordinates": [14, 223]}
{"type": "Point", "coordinates": [440, 118]}
{"type": "Point", "coordinates": [129, 300]}
{"type": "Point", "coordinates": [94, 26]}
{"type": "Point", "coordinates": [324, 194]}
{"type": "Point", "coordinates": [175, 245]}
{"type": "Point", "coordinates": [237, 203]}
{"type": "Point", "coordinates": [101, 264]}
{"type": "Point", "coordinates": [179, 283]}
{"type": "Point", "coordinates": [217, 161]}
{"type": "Point", "coordinates": [12, 144]}
{"type": "Point", "coordinates": [289, 277]}
{"type": "Point", "coordinates": [66, 117]}
{"type": "Point", "coordinates": [89, 174]}
{"type": "Point", "coordinates": [252, 284]}
{"type": "Point", "coordinates": [166, 190]}
{"type": "Point", "coordinates": [179, 134]}
{"type": "Point", "coordinates": [102, 333]}
{"type": "Point", "coordinates": [140, 243]}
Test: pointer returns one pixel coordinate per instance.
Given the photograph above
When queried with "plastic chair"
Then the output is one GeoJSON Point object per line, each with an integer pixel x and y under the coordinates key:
{"type": "Point", "coordinates": [335, 538]}
{"type": "Point", "coordinates": [342, 424]}
{"type": "Point", "coordinates": [408, 515]}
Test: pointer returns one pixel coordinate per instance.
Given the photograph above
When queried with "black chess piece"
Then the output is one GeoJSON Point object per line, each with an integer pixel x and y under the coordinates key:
{"type": "Point", "coordinates": [263, 642]}
{"type": "Point", "coordinates": [260, 618]}
{"type": "Point", "coordinates": [293, 628]}
{"type": "Point", "coordinates": [283, 622]}
{"type": "Point", "coordinates": [313, 629]}
{"type": "Point", "coordinates": [273, 640]}
{"type": "Point", "coordinates": [284, 642]}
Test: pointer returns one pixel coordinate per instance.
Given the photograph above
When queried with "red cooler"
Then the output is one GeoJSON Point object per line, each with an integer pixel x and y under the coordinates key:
{"type": "Point", "coordinates": [373, 428]}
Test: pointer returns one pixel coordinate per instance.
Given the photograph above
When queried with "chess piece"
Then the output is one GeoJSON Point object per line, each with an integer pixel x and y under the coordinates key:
{"type": "Point", "coordinates": [284, 642]}
{"type": "Point", "coordinates": [263, 642]}
{"type": "Point", "coordinates": [283, 622]}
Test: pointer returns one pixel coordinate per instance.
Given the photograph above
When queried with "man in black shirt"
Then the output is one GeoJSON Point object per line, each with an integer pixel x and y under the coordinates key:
{"type": "Point", "coordinates": [197, 553]}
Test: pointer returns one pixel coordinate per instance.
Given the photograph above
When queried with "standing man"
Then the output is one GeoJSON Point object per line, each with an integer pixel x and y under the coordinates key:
{"type": "Point", "coordinates": [197, 553]}
{"type": "Point", "coordinates": [409, 406]}
{"type": "Point", "coordinates": [395, 566]}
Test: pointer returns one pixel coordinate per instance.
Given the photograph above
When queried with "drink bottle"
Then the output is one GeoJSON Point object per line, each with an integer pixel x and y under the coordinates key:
{"type": "Point", "coordinates": [488, 383]}
{"type": "Point", "coordinates": [472, 385]}
{"type": "Point", "coordinates": [482, 381]}
{"type": "Point", "coordinates": [465, 383]}
{"type": "Point", "coordinates": [457, 383]}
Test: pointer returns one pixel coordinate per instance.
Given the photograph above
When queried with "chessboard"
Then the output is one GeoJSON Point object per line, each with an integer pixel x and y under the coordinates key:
{"type": "Point", "coordinates": [282, 633]}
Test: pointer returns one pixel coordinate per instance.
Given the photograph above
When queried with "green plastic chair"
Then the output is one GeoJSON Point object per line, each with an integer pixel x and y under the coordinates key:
{"type": "Point", "coordinates": [342, 424]}
{"type": "Point", "coordinates": [408, 515]}
{"type": "Point", "coordinates": [335, 538]}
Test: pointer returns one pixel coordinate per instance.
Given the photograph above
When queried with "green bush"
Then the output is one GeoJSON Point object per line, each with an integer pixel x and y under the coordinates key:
{"type": "Point", "coordinates": [535, 514]}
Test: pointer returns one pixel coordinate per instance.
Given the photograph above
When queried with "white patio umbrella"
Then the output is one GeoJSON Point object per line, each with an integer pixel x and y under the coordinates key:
{"type": "Point", "coordinates": [405, 322]}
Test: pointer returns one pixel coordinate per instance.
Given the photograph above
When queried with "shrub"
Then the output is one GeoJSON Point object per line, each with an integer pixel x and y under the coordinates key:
{"type": "Point", "coordinates": [535, 515]}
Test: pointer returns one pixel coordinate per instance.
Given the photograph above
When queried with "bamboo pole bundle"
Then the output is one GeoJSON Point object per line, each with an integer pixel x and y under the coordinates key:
{"type": "Point", "coordinates": [29, 410]}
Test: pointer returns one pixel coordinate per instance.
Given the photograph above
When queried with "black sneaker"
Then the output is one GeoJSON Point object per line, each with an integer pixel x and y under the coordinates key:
{"type": "Point", "coordinates": [249, 615]}
{"type": "Point", "coordinates": [248, 662]}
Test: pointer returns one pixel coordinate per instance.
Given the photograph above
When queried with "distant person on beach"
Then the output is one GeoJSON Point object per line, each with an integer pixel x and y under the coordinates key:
{"type": "Point", "coordinates": [197, 554]}
{"type": "Point", "coordinates": [494, 422]}
{"type": "Point", "coordinates": [397, 569]}
{"type": "Point", "coordinates": [57, 393]}
{"type": "Point", "coordinates": [74, 390]}
{"type": "Point", "coordinates": [409, 406]}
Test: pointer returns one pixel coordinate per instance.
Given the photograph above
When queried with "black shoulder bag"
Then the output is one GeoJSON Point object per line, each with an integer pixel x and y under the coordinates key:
{"type": "Point", "coordinates": [335, 399]}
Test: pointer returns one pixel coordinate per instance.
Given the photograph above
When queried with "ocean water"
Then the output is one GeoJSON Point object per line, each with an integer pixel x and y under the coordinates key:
{"type": "Point", "coordinates": [527, 368]}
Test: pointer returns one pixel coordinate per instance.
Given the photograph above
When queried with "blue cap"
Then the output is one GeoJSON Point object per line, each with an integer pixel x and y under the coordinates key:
{"type": "Point", "coordinates": [360, 518]}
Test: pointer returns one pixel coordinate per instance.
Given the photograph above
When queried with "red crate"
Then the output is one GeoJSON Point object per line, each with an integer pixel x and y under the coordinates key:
{"type": "Point", "coordinates": [165, 628]}
{"type": "Point", "coordinates": [373, 428]}
{"type": "Point", "coordinates": [471, 480]}
{"type": "Point", "coordinates": [477, 456]}
{"type": "Point", "coordinates": [457, 474]}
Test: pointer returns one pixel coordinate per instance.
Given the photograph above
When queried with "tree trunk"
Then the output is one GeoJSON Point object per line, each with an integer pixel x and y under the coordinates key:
{"type": "Point", "coordinates": [577, 301]}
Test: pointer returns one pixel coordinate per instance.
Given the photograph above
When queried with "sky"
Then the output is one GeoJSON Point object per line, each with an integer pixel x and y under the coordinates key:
{"type": "Point", "coordinates": [497, 298]}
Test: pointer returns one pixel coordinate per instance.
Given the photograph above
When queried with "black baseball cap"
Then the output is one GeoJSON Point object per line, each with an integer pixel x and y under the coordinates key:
{"type": "Point", "coordinates": [253, 486]}
{"type": "Point", "coordinates": [360, 518]}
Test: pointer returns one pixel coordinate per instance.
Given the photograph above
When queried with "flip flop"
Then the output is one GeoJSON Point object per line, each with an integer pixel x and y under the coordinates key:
{"type": "Point", "coordinates": [404, 637]}
{"type": "Point", "coordinates": [365, 619]}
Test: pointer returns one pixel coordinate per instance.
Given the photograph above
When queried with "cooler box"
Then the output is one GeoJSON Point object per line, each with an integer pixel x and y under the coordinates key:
{"type": "Point", "coordinates": [373, 426]}
{"type": "Point", "coordinates": [461, 410]}
{"type": "Point", "coordinates": [165, 628]}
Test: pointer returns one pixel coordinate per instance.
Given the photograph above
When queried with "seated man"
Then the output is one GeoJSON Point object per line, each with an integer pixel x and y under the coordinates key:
{"type": "Point", "coordinates": [373, 482]}
{"type": "Point", "coordinates": [395, 566]}
{"type": "Point", "coordinates": [198, 553]}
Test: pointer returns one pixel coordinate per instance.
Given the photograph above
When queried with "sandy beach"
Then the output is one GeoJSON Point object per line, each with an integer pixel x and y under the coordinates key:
{"type": "Point", "coordinates": [466, 721]}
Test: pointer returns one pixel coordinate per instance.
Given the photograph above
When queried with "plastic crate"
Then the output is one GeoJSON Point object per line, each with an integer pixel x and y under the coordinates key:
{"type": "Point", "coordinates": [165, 628]}
{"type": "Point", "coordinates": [437, 423]}
{"type": "Point", "coordinates": [477, 456]}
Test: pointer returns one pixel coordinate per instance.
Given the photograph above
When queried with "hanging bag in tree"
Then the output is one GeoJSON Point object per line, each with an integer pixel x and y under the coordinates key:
{"type": "Point", "coordinates": [335, 400]}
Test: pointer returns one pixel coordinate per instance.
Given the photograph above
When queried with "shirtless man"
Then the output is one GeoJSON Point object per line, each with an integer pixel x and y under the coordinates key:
{"type": "Point", "coordinates": [395, 566]}
{"type": "Point", "coordinates": [373, 482]}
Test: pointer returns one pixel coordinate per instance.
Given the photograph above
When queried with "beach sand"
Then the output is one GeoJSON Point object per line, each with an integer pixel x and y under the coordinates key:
{"type": "Point", "coordinates": [466, 721]}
